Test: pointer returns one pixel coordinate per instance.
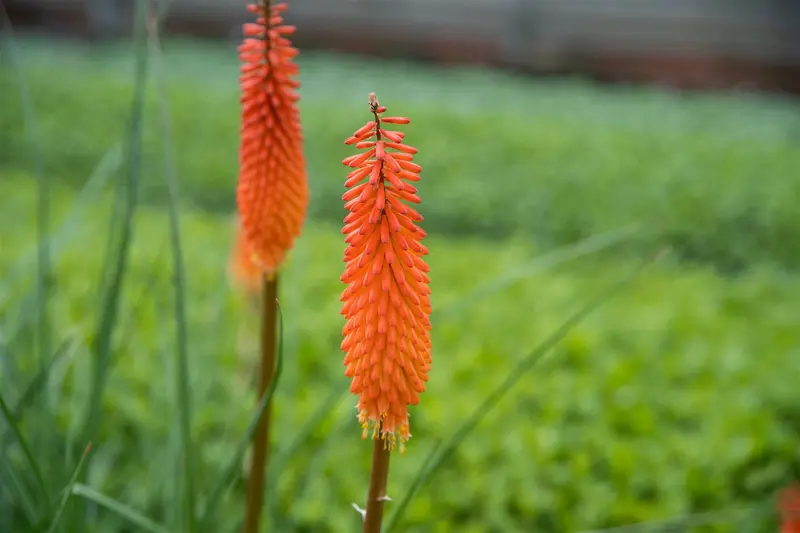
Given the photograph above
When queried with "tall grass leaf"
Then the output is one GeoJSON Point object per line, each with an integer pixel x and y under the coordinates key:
{"type": "Point", "coordinates": [26, 450]}
{"type": "Point", "coordinates": [43, 276]}
{"type": "Point", "coordinates": [687, 522]}
{"type": "Point", "coordinates": [34, 388]}
{"type": "Point", "coordinates": [17, 487]}
{"type": "Point", "coordinates": [490, 401]}
{"type": "Point", "coordinates": [551, 259]}
{"type": "Point", "coordinates": [39, 380]}
{"type": "Point", "coordinates": [60, 236]}
{"type": "Point", "coordinates": [284, 457]}
{"type": "Point", "coordinates": [326, 407]}
{"type": "Point", "coordinates": [235, 463]}
{"type": "Point", "coordinates": [182, 359]}
{"type": "Point", "coordinates": [311, 470]}
{"type": "Point", "coordinates": [68, 491]}
{"type": "Point", "coordinates": [31, 129]}
{"type": "Point", "coordinates": [121, 510]}
{"type": "Point", "coordinates": [125, 337]}
{"type": "Point", "coordinates": [117, 260]}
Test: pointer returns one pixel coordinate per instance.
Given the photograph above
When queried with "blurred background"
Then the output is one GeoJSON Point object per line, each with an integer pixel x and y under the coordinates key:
{"type": "Point", "coordinates": [563, 143]}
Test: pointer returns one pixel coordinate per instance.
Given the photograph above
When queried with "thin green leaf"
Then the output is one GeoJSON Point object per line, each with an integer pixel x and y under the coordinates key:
{"type": "Point", "coordinates": [235, 464]}
{"type": "Point", "coordinates": [127, 330]}
{"type": "Point", "coordinates": [68, 490]}
{"type": "Point", "coordinates": [684, 523]}
{"type": "Point", "coordinates": [282, 459]}
{"type": "Point", "coordinates": [560, 255]}
{"type": "Point", "coordinates": [525, 364]}
{"type": "Point", "coordinates": [121, 510]}
{"type": "Point", "coordinates": [12, 480]}
{"type": "Point", "coordinates": [183, 399]}
{"type": "Point", "coordinates": [43, 262]}
{"type": "Point", "coordinates": [310, 472]}
{"type": "Point", "coordinates": [117, 262]}
{"type": "Point", "coordinates": [30, 126]}
{"type": "Point", "coordinates": [59, 238]}
{"type": "Point", "coordinates": [40, 379]}
{"type": "Point", "coordinates": [38, 383]}
{"type": "Point", "coordinates": [37, 473]}
{"type": "Point", "coordinates": [87, 194]}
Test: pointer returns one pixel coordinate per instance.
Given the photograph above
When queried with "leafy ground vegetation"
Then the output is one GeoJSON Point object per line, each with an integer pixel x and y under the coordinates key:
{"type": "Point", "coordinates": [674, 402]}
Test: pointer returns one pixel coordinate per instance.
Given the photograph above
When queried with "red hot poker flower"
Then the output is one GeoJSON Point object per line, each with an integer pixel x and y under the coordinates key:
{"type": "Point", "coordinates": [272, 194]}
{"type": "Point", "coordinates": [789, 507]}
{"type": "Point", "coordinates": [386, 303]}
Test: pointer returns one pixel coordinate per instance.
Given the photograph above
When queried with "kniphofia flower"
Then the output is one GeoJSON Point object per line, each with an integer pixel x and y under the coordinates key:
{"type": "Point", "coordinates": [789, 507]}
{"type": "Point", "coordinates": [387, 300]}
{"type": "Point", "coordinates": [272, 193]}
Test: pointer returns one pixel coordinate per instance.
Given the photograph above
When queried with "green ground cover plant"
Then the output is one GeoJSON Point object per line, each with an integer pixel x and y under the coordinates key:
{"type": "Point", "coordinates": [675, 399]}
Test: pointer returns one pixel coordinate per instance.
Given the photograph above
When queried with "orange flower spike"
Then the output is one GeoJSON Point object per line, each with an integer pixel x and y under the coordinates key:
{"type": "Point", "coordinates": [387, 301]}
{"type": "Point", "coordinates": [789, 508]}
{"type": "Point", "coordinates": [272, 193]}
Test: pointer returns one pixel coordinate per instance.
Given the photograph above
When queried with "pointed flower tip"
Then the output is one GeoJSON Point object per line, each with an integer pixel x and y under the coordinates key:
{"type": "Point", "coordinates": [387, 301]}
{"type": "Point", "coordinates": [272, 191]}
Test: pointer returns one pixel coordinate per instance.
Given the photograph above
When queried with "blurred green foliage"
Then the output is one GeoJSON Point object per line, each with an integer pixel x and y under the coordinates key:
{"type": "Point", "coordinates": [677, 397]}
{"type": "Point", "coordinates": [716, 177]}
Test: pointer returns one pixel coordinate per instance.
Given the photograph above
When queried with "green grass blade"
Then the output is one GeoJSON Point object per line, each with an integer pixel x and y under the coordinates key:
{"type": "Point", "coordinates": [523, 366]}
{"type": "Point", "coordinates": [127, 330]}
{"type": "Point", "coordinates": [31, 129]}
{"type": "Point", "coordinates": [40, 379]}
{"type": "Point", "coordinates": [182, 357]}
{"type": "Point", "coordinates": [235, 464]}
{"type": "Point", "coordinates": [21, 493]}
{"type": "Point", "coordinates": [121, 510]}
{"type": "Point", "coordinates": [36, 385]}
{"type": "Point", "coordinates": [29, 457]}
{"type": "Point", "coordinates": [24, 310]}
{"type": "Point", "coordinates": [68, 490]}
{"type": "Point", "coordinates": [282, 459]}
{"type": "Point", "coordinates": [561, 255]}
{"type": "Point", "coordinates": [687, 522]}
{"type": "Point", "coordinates": [119, 250]}
{"type": "Point", "coordinates": [326, 407]}
{"type": "Point", "coordinates": [60, 236]}
{"type": "Point", "coordinates": [342, 429]}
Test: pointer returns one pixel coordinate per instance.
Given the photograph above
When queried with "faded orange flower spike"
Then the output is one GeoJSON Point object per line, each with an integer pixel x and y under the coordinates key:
{"type": "Point", "coordinates": [272, 194]}
{"type": "Point", "coordinates": [789, 507]}
{"type": "Point", "coordinates": [386, 303]}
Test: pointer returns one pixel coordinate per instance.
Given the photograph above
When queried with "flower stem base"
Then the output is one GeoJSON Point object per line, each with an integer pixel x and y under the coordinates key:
{"type": "Point", "coordinates": [255, 481]}
{"type": "Point", "coordinates": [377, 486]}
